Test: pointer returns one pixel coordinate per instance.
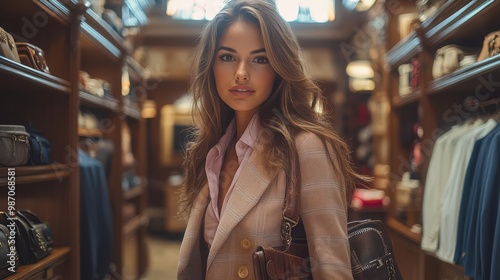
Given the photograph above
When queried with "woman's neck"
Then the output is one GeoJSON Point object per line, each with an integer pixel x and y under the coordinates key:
{"type": "Point", "coordinates": [242, 121]}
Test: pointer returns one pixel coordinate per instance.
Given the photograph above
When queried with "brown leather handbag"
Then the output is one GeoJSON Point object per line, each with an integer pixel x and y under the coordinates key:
{"type": "Point", "coordinates": [372, 256]}
{"type": "Point", "coordinates": [32, 56]}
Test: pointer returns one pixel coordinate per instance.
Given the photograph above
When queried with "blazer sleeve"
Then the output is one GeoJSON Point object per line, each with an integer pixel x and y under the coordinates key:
{"type": "Point", "coordinates": [323, 211]}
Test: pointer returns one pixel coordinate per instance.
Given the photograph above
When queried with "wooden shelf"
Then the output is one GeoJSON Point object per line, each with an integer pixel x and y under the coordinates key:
{"type": "Point", "coordinates": [134, 192]}
{"type": "Point", "coordinates": [442, 14]}
{"type": "Point", "coordinates": [34, 174]}
{"type": "Point", "coordinates": [450, 22]}
{"type": "Point", "coordinates": [57, 257]}
{"type": "Point", "coordinates": [135, 70]}
{"type": "Point", "coordinates": [89, 133]}
{"type": "Point", "coordinates": [106, 103]}
{"type": "Point", "coordinates": [18, 77]}
{"type": "Point", "coordinates": [458, 24]}
{"type": "Point", "coordinates": [52, 8]}
{"type": "Point", "coordinates": [404, 230]}
{"type": "Point", "coordinates": [465, 79]}
{"type": "Point", "coordinates": [134, 224]}
{"type": "Point", "coordinates": [403, 51]}
{"type": "Point", "coordinates": [408, 99]}
{"type": "Point", "coordinates": [132, 112]}
{"type": "Point", "coordinates": [99, 35]}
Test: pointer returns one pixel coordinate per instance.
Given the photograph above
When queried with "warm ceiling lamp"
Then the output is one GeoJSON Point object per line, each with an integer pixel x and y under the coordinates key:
{"type": "Point", "coordinates": [360, 69]}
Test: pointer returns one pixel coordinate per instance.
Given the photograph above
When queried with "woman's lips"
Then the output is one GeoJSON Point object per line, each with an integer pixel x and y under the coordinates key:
{"type": "Point", "coordinates": [241, 90]}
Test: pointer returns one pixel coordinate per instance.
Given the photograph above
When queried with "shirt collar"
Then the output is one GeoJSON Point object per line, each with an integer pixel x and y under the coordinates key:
{"type": "Point", "coordinates": [251, 133]}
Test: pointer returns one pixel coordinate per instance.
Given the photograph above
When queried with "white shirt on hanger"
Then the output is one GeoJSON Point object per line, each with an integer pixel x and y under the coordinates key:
{"type": "Point", "coordinates": [452, 196]}
{"type": "Point", "coordinates": [437, 177]}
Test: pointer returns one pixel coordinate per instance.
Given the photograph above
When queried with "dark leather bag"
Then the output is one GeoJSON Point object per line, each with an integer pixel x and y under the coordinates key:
{"type": "Point", "coordinates": [372, 256]}
{"type": "Point", "coordinates": [9, 261]}
{"type": "Point", "coordinates": [34, 239]}
{"type": "Point", "coordinates": [38, 234]}
{"type": "Point", "coordinates": [32, 56]}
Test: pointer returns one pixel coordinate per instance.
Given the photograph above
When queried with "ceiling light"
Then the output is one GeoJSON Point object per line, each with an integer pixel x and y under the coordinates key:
{"type": "Point", "coordinates": [360, 69]}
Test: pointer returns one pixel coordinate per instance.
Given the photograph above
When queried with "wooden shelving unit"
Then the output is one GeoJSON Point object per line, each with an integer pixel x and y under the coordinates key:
{"type": "Point", "coordinates": [456, 22]}
{"type": "Point", "coordinates": [74, 39]}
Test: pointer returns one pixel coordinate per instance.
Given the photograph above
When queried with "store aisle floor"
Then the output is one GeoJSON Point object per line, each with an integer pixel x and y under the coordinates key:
{"type": "Point", "coordinates": [163, 254]}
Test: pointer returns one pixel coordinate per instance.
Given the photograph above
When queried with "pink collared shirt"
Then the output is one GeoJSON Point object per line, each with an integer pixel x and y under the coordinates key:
{"type": "Point", "coordinates": [215, 157]}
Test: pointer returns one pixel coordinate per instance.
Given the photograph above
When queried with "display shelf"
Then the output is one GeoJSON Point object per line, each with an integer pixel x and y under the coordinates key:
{"type": "Point", "coordinates": [134, 192]}
{"type": "Point", "coordinates": [57, 257]}
{"type": "Point", "coordinates": [464, 23]}
{"type": "Point", "coordinates": [470, 78]}
{"type": "Point", "coordinates": [403, 51]}
{"type": "Point", "coordinates": [34, 174]}
{"type": "Point", "coordinates": [132, 111]}
{"type": "Point", "coordinates": [89, 133]}
{"type": "Point", "coordinates": [134, 224]}
{"type": "Point", "coordinates": [135, 70]}
{"type": "Point", "coordinates": [404, 230]}
{"type": "Point", "coordinates": [410, 98]}
{"type": "Point", "coordinates": [52, 8]}
{"type": "Point", "coordinates": [98, 35]}
{"type": "Point", "coordinates": [106, 103]}
{"type": "Point", "coordinates": [443, 14]}
{"type": "Point", "coordinates": [18, 77]}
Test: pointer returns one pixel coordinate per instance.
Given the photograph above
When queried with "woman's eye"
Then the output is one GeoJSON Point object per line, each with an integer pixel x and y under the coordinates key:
{"type": "Point", "coordinates": [261, 60]}
{"type": "Point", "coordinates": [226, 57]}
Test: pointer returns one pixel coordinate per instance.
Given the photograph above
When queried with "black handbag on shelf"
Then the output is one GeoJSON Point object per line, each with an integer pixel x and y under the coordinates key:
{"type": "Point", "coordinates": [39, 235]}
{"type": "Point", "coordinates": [372, 256]}
{"type": "Point", "coordinates": [34, 238]}
{"type": "Point", "coordinates": [8, 264]}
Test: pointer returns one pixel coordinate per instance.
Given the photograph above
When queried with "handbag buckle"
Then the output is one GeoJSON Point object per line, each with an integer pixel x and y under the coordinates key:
{"type": "Point", "coordinates": [379, 262]}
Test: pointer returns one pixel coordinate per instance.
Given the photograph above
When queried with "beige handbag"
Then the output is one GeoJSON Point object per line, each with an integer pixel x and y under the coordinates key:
{"type": "Point", "coordinates": [450, 58]}
{"type": "Point", "coordinates": [491, 46]}
{"type": "Point", "coordinates": [8, 47]}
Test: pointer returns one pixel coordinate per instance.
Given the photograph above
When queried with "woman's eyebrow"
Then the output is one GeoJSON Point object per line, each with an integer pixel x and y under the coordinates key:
{"type": "Point", "coordinates": [234, 51]}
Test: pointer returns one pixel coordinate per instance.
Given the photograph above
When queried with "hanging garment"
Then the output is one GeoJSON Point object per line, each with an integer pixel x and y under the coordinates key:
{"type": "Point", "coordinates": [480, 176]}
{"type": "Point", "coordinates": [437, 176]}
{"type": "Point", "coordinates": [453, 189]}
{"type": "Point", "coordinates": [96, 225]}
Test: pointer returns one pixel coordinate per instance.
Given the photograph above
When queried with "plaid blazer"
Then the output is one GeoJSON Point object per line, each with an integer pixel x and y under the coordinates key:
{"type": "Point", "coordinates": [253, 217]}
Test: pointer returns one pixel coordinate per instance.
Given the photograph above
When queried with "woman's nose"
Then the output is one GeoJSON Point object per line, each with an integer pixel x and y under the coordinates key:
{"type": "Point", "coordinates": [242, 72]}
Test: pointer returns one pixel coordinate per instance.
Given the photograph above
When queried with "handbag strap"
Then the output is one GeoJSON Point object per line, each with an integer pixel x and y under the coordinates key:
{"type": "Point", "coordinates": [291, 206]}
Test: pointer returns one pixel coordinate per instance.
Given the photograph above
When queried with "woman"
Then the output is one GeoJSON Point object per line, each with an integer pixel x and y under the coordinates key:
{"type": "Point", "coordinates": [254, 109]}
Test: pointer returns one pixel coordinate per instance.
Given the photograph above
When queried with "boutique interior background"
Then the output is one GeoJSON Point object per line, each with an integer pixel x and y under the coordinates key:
{"type": "Point", "coordinates": [119, 72]}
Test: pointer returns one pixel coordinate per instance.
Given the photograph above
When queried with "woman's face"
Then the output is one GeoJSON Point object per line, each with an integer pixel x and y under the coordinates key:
{"type": "Point", "coordinates": [243, 75]}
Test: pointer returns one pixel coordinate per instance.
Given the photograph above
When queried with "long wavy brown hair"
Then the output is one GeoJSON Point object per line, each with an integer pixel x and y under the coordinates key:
{"type": "Point", "coordinates": [289, 110]}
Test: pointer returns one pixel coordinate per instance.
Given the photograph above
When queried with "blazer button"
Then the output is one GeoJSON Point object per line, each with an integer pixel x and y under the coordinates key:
{"type": "Point", "coordinates": [243, 272]}
{"type": "Point", "coordinates": [245, 244]}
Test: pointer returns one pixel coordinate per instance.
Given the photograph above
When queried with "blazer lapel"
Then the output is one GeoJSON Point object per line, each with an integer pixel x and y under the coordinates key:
{"type": "Point", "coordinates": [189, 248]}
{"type": "Point", "coordinates": [249, 187]}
